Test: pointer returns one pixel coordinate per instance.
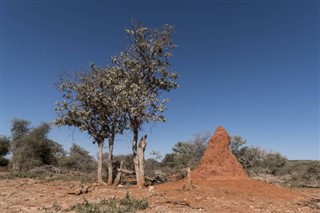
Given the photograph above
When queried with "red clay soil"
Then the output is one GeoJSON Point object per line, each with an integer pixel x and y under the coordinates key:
{"type": "Point", "coordinates": [225, 187]}
{"type": "Point", "coordinates": [219, 196]}
{"type": "Point", "coordinates": [219, 185]}
{"type": "Point", "coordinates": [220, 168]}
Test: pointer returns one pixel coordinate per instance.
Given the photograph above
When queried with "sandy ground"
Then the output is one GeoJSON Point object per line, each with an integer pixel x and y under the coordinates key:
{"type": "Point", "coordinates": [29, 195]}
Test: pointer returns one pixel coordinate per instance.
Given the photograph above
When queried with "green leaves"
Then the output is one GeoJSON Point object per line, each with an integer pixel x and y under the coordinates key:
{"type": "Point", "coordinates": [145, 64]}
{"type": "Point", "coordinates": [106, 101]}
{"type": "Point", "coordinates": [33, 148]}
{"type": "Point", "coordinates": [91, 103]}
{"type": "Point", "coordinates": [4, 146]}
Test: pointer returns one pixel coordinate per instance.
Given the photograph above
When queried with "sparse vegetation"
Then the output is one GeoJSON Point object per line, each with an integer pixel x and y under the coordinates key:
{"type": "Point", "coordinates": [4, 150]}
{"type": "Point", "coordinates": [112, 205]}
{"type": "Point", "coordinates": [77, 159]}
{"type": "Point", "coordinates": [186, 154]}
{"type": "Point", "coordinates": [31, 147]}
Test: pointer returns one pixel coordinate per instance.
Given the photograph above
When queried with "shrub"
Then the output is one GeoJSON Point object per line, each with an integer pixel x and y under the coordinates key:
{"type": "Point", "coordinates": [4, 162]}
{"type": "Point", "coordinates": [112, 205]}
{"type": "Point", "coordinates": [274, 162]}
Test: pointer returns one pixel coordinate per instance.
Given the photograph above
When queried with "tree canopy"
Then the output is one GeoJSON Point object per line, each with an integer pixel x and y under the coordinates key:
{"type": "Point", "coordinates": [31, 146]}
{"type": "Point", "coordinates": [126, 94]}
{"type": "Point", "coordinates": [145, 63]}
{"type": "Point", "coordinates": [4, 150]}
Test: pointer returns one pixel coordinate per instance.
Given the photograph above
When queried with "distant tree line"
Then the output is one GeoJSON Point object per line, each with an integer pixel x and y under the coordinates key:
{"type": "Point", "coordinates": [31, 148]}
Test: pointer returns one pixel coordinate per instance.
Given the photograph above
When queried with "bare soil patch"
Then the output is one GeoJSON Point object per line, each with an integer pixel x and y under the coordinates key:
{"type": "Point", "coordinates": [218, 185]}
{"type": "Point", "coordinates": [29, 195]}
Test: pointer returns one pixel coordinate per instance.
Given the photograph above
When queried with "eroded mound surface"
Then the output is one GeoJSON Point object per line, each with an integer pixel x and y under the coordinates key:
{"type": "Point", "coordinates": [218, 162]}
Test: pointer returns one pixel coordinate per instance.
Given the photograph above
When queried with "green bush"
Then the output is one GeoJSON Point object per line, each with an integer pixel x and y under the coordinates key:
{"type": "Point", "coordinates": [112, 205]}
{"type": "Point", "coordinates": [77, 159]}
{"type": "Point", "coordinates": [14, 175]}
{"type": "Point", "coordinates": [4, 162]}
{"type": "Point", "coordinates": [274, 162]}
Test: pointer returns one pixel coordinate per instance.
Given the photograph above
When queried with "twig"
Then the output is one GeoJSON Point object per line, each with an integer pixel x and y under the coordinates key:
{"type": "Point", "coordinates": [183, 203]}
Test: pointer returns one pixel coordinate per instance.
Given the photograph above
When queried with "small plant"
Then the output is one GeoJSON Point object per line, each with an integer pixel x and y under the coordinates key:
{"type": "Point", "coordinates": [56, 207]}
{"type": "Point", "coordinates": [112, 205]}
{"type": "Point", "coordinates": [87, 207]}
{"type": "Point", "coordinates": [14, 175]}
{"type": "Point", "coordinates": [131, 204]}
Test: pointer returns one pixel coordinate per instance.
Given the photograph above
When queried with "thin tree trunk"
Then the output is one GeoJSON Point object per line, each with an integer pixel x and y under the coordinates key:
{"type": "Point", "coordinates": [141, 149]}
{"type": "Point", "coordinates": [135, 155]}
{"type": "Point", "coordinates": [100, 145]}
{"type": "Point", "coordinates": [110, 158]}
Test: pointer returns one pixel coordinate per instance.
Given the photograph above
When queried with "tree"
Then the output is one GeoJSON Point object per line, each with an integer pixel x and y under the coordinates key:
{"type": "Point", "coordinates": [145, 63]}
{"type": "Point", "coordinates": [236, 143]}
{"type": "Point", "coordinates": [200, 141]}
{"type": "Point", "coordinates": [4, 150]}
{"type": "Point", "coordinates": [33, 147]}
{"type": "Point", "coordinates": [274, 161]}
{"type": "Point", "coordinates": [187, 154]}
{"type": "Point", "coordinates": [19, 129]}
{"type": "Point", "coordinates": [91, 103]}
{"type": "Point", "coordinates": [249, 156]}
{"type": "Point", "coordinates": [78, 159]}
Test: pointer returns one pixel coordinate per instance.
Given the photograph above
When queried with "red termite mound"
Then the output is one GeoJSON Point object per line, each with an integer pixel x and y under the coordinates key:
{"type": "Point", "coordinates": [218, 162]}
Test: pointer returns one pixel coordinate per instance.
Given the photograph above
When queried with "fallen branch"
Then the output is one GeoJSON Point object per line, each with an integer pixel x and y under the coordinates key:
{"type": "Point", "coordinates": [310, 186]}
{"type": "Point", "coordinates": [181, 203]}
{"type": "Point", "coordinates": [126, 171]}
{"type": "Point", "coordinates": [184, 203]}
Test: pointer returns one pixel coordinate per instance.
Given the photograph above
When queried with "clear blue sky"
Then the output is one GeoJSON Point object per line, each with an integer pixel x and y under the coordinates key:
{"type": "Point", "coordinates": [252, 67]}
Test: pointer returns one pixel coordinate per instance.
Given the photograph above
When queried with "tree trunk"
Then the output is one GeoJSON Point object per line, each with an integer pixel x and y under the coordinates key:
{"type": "Point", "coordinates": [100, 145]}
{"type": "Point", "coordinates": [135, 155]}
{"type": "Point", "coordinates": [141, 149]}
{"type": "Point", "coordinates": [119, 175]}
{"type": "Point", "coordinates": [110, 158]}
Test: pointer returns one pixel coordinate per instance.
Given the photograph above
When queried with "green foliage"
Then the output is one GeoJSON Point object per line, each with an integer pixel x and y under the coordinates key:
{"type": "Point", "coordinates": [187, 154]}
{"type": "Point", "coordinates": [302, 173]}
{"type": "Point", "coordinates": [249, 156]}
{"type": "Point", "coordinates": [112, 205]}
{"type": "Point", "coordinates": [126, 159]}
{"type": "Point", "coordinates": [4, 150]}
{"type": "Point", "coordinates": [4, 162]}
{"type": "Point", "coordinates": [14, 175]}
{"type": "Point", "coordinates": [91, 103]}
{"type": "Point", "coordinates": [145, 64]}
{"type": "Point", "coordinates": [274, 162]}
{"type": "Point", "coordinates": [169, 161]}
{"type": "Point", "coordinates": [126, 94]}
{"type": "Point", "coordinates": [132, 204]}
{"type": "Point", "coordinates": [19, 128]}
{"type": "Point", "coordinates": [151, 166]}
{"type": "Point", "coordinates": [4, 146]}
{"type": "Point", "coordinates": [236, 143]}
{"type": "Point", "coordinates": [32, 147]}
{"type": "Point", "coordinates": [78, 159]}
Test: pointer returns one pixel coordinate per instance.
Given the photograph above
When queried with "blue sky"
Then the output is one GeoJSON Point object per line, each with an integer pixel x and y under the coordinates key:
{"type": "Point", "coordinates": [250, 66]}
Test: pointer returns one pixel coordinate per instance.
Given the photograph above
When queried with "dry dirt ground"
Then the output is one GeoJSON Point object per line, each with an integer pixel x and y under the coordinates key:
{"type": "Point", "coordinates": [30, 195]}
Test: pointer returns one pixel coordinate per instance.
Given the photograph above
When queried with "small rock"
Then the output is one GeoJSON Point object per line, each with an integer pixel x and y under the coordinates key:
{"type": "Point", "coordinates": [151, 188]}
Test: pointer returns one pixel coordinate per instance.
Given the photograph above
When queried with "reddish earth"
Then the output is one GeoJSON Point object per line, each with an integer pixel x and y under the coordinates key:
{"type": "Point", "coordinates": [246, 196]}
{"type": "Point", "coordinates": [218, 162]}
{"type": "Point", "coordinates": [219, 185]}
